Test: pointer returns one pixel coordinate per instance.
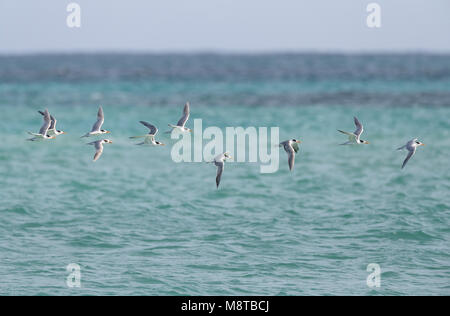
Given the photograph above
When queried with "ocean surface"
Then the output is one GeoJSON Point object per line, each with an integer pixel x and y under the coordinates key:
{"type": "Point", "coordinates": [138, 223]}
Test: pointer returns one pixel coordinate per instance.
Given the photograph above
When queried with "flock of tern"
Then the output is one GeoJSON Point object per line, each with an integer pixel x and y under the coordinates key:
{"type": "Point", "coordinates": [48, 131]}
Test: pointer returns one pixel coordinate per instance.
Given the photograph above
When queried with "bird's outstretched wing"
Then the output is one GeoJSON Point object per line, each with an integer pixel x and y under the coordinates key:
{"type": "Point", "coordinates": [99, 150]}
{"type": "Point", "coordinates": [351, 137]}
{"type": "Point", "coordinates": [343, 132]}
{"type": "Point", "coordinates": [100, 120]}
{"type": "Point", "coordinates": [359, 127]}
{"type": "Point", "coordinates": [52, 120]}
{"type": "Point", "coordinates": [52, 123]}
{"type": "Point", "coordinates": [291, 154]}
{"type": "Point", "coordinates": [410, 154]}
{"type": "Point", "coordinates": [97, 155]}
{"type": "Point", "coordinates": [47, 123]}
{"type": "Point", "coordinates": [291, 160]}
{"type": "Point", "coordinates": [185, 116]}
{"type": "Point", "coordinates": [220, 165]}
{"type": "Point", "coordinates": [152, 128]}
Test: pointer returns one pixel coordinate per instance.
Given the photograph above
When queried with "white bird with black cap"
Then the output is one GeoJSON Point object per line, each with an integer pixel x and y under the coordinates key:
{"type": "Point", "coordinates": [52, 131]}
{"type": "Point", "coordinates": [99, 147]}
{"type": "Point", "coordinates": [355, 137]}
{"type": "Point", "coordinates": [149, 139]}
{"type": "Point", "coordinates": [219, 161]}
{"type": "Point", "coordinates": [43, 132]}
{"type": "Point", "coordinates": [97, 127]}
{"type": "Point", "coordinates": [291, 148]}
{"type": "Point", "coordinates": [182, 121]}
{"type": "Point", "coordinates": [411, 147]}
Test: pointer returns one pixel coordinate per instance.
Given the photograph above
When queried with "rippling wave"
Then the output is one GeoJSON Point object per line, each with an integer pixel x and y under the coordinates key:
{"type": "Point", "coordinates": [138, 223]}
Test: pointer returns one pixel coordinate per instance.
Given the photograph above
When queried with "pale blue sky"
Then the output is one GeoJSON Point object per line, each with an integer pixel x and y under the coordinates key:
{"type": "Point", "coordinates": [224, 26]}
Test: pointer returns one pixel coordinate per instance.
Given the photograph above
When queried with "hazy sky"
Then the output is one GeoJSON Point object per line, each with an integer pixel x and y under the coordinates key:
{"type": "Point", "coordinates": [28, 26]}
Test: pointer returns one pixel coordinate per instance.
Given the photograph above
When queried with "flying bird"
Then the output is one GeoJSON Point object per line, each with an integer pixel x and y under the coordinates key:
{"type": "Point", "coordinates": [411, 146]}
{"type": "Point", "coordinates": [99, 147]}
{"type": "Point", "coordinates": [52, 131]}
{"type": "Point", "coordinates": [354, 138]}
{"type": "Point", "coordinates": [149, 139]}
{"type": "Point", "coordinates": [96, 128]}
{"type": "Point", "coordinates": [43, 132]}
{"type": "Point", "coordinates": [182, 122]}
{"type": "Point", "coordinates": [291, 147]}
{"type": "Point", "coordinates": [219, 161]}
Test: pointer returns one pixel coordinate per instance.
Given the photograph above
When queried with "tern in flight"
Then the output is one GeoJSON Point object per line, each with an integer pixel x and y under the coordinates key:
{"type": "Point", "coordinates": [96, 129]}
{"type": "Point", "coordinates": [52, 131]}
{"type": "Point", "coordinates": [291, 147]}
{"type": "Point", "coordinates": [149, 139]}
{"type": "Point", "coordinates": [411, 146]}
{"type": "Point", "coordinates": [43, 132]}
{"type": "Point", "coordinates": [219, 161]}
{"type": "Point", "coordinates": [99, 147]}
{"type": "Point", "coordinates": [182, 122]}
{"type": "Point", "coordinates": [354, 138]}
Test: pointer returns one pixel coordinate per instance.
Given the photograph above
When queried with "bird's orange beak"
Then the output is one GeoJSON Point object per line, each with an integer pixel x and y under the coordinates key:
{"type": "Point", "coordinates": [422, 144]}
{"type": "Point", "coordinates": [163, 144]}
{"type": "Point", "coordinates": [108, 132]}
{"type": "Point", "coordinates": [299, 141]}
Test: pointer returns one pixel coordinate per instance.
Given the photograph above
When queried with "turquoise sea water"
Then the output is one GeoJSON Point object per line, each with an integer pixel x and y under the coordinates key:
{"type": "Point", "coordinates": [139, 224]}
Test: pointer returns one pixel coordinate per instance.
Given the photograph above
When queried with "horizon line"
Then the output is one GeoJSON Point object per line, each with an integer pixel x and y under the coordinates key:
{"type": "Point", "coordinates": [226, 52]}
